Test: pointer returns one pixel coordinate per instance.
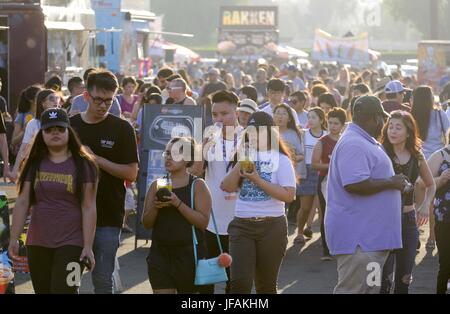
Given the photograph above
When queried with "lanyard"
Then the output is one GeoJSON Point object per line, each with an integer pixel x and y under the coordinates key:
{"type": "Point", "coordinates": [224, 150]}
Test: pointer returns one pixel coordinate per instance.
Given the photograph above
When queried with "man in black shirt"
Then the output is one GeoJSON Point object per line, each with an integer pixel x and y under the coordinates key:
{"type": "Point", "coordinates": [4, 150]}
{"type": "Point", "coordinates": [112, 141]}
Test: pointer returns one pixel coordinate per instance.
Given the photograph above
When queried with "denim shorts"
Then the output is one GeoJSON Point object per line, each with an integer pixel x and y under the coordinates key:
{"type": "Point", "coordinates": [309, 185]}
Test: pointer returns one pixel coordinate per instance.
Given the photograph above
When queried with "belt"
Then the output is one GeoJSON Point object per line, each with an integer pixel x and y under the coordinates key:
{"type": "Point", "coordinates": [258, 219]}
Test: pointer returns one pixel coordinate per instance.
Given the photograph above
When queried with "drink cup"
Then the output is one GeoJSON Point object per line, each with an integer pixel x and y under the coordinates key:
{"type": "Point", "coordinates": [6, 275]}
{"type": "Point", "coordinates": [164, 183]}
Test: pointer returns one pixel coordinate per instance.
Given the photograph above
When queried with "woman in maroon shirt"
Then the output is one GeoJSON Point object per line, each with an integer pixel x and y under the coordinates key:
{"type": "Point", "coordinates": [320, 161]}
{"type": "Point", "coordinates": [58, 184]}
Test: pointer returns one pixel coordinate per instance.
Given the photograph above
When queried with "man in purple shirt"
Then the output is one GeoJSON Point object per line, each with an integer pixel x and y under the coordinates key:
{"type": "Point", "coordinates": [363, 218]}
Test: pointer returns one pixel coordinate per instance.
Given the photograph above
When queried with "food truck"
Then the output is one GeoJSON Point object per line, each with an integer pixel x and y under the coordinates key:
{"type": "Point", "coordinates": [23, 47]}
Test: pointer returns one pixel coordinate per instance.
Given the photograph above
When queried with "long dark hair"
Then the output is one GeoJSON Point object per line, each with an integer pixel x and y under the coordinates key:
{"type": "Point", "coordinates": [27, 98]}
{"type": "Point", "coordinates": [291, 123]}
{"type": "Point", "coordinates": [39, 151]}
{"type": "Point", "coordinates": [422, 107]}
{"type": "Point", "coordinates": [272, 132]}
{"type": "Point", "coordinates": [413, 142]}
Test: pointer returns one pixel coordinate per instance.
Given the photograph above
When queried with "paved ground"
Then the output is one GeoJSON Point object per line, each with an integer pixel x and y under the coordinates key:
{"type": "Point", "coordinates": [301, 273]}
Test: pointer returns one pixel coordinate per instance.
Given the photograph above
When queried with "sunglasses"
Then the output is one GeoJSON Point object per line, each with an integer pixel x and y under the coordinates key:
{"type": "Point", "coordinates": [59, 129]}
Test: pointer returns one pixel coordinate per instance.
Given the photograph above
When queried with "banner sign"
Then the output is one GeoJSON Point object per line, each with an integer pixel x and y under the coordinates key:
{"type": "Point", "coordinates": [350, 50]}
{"type": "Point", "coordinates": [160, 124]}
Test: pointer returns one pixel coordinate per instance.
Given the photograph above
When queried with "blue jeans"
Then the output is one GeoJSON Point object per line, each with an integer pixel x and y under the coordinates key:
{"type": "Point", "coordinates": [106, 243]}
{"type": "Point", "coordinates": [402, 259]}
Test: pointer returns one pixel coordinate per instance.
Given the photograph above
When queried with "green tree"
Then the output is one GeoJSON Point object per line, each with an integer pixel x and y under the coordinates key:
{"type": "Point", "coordinates": [418, 12]}
{"type": "Point", "coordinates": [198, 17]}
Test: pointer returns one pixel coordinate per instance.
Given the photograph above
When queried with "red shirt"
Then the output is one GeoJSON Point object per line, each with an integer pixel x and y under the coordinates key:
{"type": "Point", "coordinates": [392, 105]}
{"type": "Point", "coordinates": [328, 145]}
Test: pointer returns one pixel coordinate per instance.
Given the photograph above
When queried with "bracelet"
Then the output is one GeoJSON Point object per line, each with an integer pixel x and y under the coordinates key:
{"type": "Point", "coordinates": [178, 207]}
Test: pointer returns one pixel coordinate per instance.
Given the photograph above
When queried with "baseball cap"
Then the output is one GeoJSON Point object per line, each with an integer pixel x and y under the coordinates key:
{"type": "Point", "coordinates": [54, 117]}
{"type": "Point", "coordinates": [370, 105]}
{"type": "Point", "coordinates": [214, 71]}
{"type": "Point", "coordinates": [248, 105]}
{"type": "Point", "coordinates": [394, 87]}
{"type": "Point", "coordinates": [260, 118]}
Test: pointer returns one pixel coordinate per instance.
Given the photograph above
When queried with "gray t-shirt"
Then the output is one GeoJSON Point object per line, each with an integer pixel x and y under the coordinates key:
{"type": "Point", "coordinates": [437, 131]}
{"type": "Point", "coordinates": [79, 104]}
{"type": "Point", "coordinates": [292, 140]}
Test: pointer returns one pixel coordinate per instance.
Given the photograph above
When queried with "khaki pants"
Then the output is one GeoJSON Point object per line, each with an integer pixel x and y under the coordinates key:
{"type": "Point", "coordinates": [360, 273]}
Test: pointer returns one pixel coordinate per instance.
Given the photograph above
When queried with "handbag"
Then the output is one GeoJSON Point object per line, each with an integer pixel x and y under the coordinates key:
{"type": "Point", "coordinates": [207, 271]}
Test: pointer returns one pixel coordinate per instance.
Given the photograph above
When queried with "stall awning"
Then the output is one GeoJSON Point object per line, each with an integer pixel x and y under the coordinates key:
{"type": "Point", "coordinates": [158, 47]}
{"type": "Point", "coordinates": [68, 26]}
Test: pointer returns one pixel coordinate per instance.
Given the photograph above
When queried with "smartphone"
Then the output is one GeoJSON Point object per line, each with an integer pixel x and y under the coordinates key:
{"type": "Point", "coordinates": [87, 263]}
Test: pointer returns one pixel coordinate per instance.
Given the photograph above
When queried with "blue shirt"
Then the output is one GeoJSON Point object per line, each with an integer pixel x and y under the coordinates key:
{"type": "Point", "coordinates": [81, 105]}
{"type": "Point", "coordinates": [437, 131]}
{"type": "Point", "coordinates": [371, 222]}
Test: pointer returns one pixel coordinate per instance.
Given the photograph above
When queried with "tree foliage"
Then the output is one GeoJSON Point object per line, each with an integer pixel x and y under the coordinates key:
{"type": "Point", "coordinates": [198, 17]}
{"type": "Point", "coordinates": [418, 13]}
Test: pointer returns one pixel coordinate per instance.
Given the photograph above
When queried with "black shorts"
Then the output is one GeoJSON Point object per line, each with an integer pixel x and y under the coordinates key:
{"type": "Point", "coordinates": [173, 267]}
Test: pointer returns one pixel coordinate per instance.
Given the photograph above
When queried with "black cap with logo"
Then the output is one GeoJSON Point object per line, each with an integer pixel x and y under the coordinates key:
{"type": "Point", "coordinates": [260, 118]}
{"type": "Point", "coordinates": [54, 117]}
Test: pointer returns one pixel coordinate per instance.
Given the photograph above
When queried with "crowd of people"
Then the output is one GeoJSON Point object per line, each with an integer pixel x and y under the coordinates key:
{"type": "Point", "coordinates": [368, 152]}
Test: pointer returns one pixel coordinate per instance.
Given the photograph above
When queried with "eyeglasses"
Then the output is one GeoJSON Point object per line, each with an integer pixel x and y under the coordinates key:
{"type": "Point", "coordinates": [293, 101]}
{"type": "Point", "coordinates": [173, 88]}
{"type": "Point", "coordinates": [59, 129]}
{"type": "Point", "coordinates": [98, 100]}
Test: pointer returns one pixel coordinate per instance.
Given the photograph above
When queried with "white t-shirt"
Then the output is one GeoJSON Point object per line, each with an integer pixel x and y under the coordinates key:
{"type": "Point", "coordinates": [310, 143]}
{"type": "Point", "coordinates": [268, 109]}
{"type": "Point", "coordinates": [223, 203]}
{"type": "Point", "coordinates": [273, 167]}
{"type": "Point", "coordinates": [31, 130]}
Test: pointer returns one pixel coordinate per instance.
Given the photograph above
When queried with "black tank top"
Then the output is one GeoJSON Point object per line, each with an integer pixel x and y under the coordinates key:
{"type": "Point", "coordinates": [442, 201]}
{"type": "Point", "coordinates": [171, 228]}
{"type": "Point", "coordinates": [410, 170]}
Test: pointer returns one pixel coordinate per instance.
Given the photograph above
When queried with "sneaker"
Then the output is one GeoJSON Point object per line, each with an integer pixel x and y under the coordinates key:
{"type": "Point", "coordinates": [326, 258]}
{"type": "Point", "coordinates": [300, 240]}
{"type": "Point", "coordinates": [308, 232]}
{"type": "Point", "coordinates": [431, 244]}
{"type": "Point", "coordinates": [126, 229]}
{"type": "Point", "coordinates": [418, 246]}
